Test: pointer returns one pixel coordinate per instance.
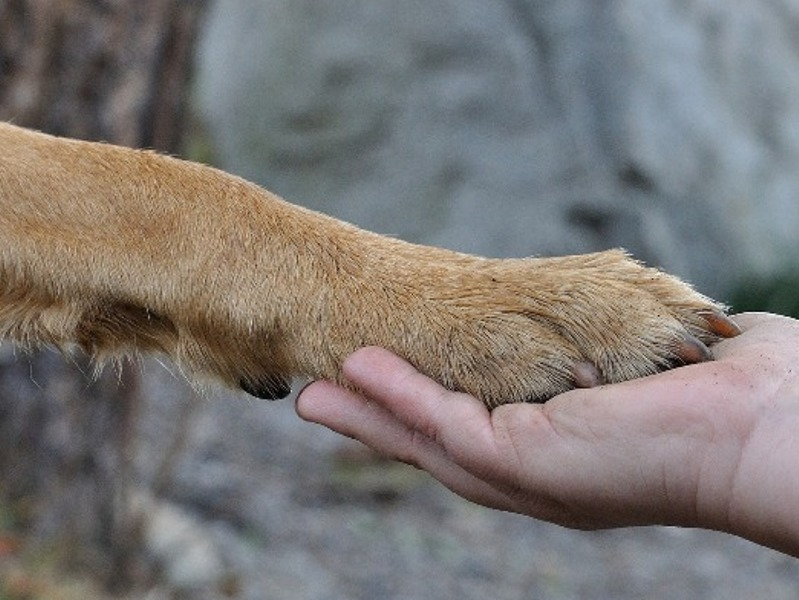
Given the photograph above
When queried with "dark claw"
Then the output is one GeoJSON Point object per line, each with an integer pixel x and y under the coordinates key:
{"type": "Point", "coordinates": [691, 351]}
{"type": "Point", "coordinates": [270, 387]}
{"type": "Point", "coordinates": [586, 375]}
{"type": "Point", "coordinates": [720, 324]}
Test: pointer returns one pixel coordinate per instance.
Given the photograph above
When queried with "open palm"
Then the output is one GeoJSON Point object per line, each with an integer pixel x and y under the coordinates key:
{"type": "Point", "coordinates": [713, 445]}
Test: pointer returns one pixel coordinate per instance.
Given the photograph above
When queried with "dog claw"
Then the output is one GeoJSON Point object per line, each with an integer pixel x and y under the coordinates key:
{"type": "Point", "coordinates": [720, 324]}
{"type": "Point", "coordinates": [691, 351]}
{"type": "Point", "coordinates": [267, 388]}
{"type": "Point", "coordinates": [586, 375]}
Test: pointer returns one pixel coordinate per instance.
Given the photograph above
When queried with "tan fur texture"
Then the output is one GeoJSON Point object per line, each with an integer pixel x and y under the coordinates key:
{"type": "Point", "coordinates": [121, 251]}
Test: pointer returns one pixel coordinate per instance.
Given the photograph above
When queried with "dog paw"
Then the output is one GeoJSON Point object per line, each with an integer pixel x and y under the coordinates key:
{"type": "Point", "coordinates": [528, 329]}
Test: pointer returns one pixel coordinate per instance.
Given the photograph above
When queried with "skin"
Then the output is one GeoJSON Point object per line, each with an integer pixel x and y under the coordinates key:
{"type": "Point", "coordinates": [712, 445]}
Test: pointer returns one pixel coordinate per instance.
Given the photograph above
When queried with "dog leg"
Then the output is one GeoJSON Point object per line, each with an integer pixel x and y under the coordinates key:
{"type": "Point", "coordinates": [120, 251]}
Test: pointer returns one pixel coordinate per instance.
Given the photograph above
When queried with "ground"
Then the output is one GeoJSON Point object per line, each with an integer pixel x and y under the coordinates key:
{"type": "Point", "coordinates": [297, 512]}
{"type": "Point", "coordinates": [256, 504]}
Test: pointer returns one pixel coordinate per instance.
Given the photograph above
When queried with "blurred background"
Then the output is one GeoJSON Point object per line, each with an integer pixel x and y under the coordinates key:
{"type": "Point", "coordinates": [507, 128]}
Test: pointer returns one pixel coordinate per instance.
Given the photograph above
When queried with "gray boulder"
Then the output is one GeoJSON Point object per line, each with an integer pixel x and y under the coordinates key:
{"type": "Point", "coordinates": [523, 127]}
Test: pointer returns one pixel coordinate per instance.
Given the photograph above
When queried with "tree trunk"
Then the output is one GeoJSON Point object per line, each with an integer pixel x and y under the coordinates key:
{"type": "Point", "coordinates": [112, 70]}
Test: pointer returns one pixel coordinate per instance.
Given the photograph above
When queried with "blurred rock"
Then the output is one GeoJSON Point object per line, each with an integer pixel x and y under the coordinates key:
{"type": "Point", "coordinates": [182, 546]}
{"type": "Point", "coordinates": [523, 127]}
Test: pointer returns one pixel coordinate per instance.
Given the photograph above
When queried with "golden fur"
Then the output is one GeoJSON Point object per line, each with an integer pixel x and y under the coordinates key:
{"type": "Point", "coordinates": [119, 251]}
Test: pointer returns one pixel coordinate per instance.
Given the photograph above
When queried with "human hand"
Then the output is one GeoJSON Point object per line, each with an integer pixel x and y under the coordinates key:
{"type": "Point", "coordinates": [712, 445]}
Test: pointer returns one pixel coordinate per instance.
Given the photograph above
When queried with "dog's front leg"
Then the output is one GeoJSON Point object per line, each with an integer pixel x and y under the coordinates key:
{"type": "Point", "coordinates": [119, 250]}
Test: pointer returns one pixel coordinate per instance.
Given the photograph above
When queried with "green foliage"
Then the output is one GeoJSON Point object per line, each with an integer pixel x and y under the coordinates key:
{"type": "Point", "coordinates": [777, 294]}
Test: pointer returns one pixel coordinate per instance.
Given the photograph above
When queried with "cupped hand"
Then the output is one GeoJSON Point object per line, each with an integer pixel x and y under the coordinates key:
{"type": "Point", "coordinates": [713, 445]}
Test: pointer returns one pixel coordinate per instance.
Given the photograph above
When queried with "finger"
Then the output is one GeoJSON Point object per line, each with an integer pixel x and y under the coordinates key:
{"type": "Point", "coordinates": [748, 320]}
{"type": "Point", "coordinates": [460, 424]}
{"type": "Point", "coordinates": [765, 336]}
{"type": "Point", "coordinates": [336, 408]}
{"type": "Point", "coordinates": [495, 448]}
{"type": "Point", "coordinates": [352, 415]}
{"type": "Point", "coordinates": [757, 320]}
